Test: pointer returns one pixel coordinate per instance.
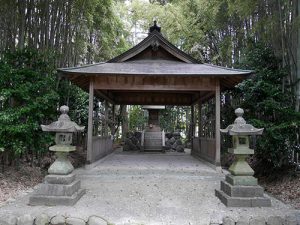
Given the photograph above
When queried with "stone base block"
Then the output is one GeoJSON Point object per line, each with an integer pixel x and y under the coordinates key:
{"type": "Point", "coordinates": [242, 202]}
{"type": "Point", "coordinates": [61, 179]}
{"type": "Point", "coordinates": [241, 180]}
{"type": "Point", "coordinates": [242, 191]}
{"type": "Point", "coordinates": [58, 189]}
{"type": "Point", "coordinates": [56, 200]}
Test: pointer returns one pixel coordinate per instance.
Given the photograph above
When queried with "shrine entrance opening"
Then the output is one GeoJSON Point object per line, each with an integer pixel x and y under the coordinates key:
{"type": "Point", "coordinates": [155, 72]}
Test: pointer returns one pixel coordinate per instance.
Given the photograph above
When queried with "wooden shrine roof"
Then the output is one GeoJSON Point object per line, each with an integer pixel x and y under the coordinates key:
{"type": "Point", "coordinates": [153, 72]}
{"type": "Point", "coordinates": [158, 67]}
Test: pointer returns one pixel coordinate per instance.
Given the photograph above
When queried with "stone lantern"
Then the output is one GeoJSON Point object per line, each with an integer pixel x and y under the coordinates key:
{"type": "Point", "coordinates": [60, 187]}
{"type": "Point", "coordinates": [240, 188]}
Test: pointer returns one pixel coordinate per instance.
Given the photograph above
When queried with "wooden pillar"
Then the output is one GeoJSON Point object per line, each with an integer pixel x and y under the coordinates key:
{"type": "Point", "coordinates": [192, 126]}
{"type": "Point", "coordinates": [199, 123]}
{"type": "Point", "coordinates": [193, 120]}
{"type": "Point", "coordinates": [218, 125]}
{"type": "Point", "coordinates": [106, 119]}
{"type": "Point", "coordinates": [113, 119]}
{"type": "Point", "coordinates": [90, 123]}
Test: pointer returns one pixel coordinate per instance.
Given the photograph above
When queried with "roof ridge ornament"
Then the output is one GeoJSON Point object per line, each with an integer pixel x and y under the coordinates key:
{"type": "Point", "coordinates": [155, 45]}
{"type": "Point", "coordinates": [154, 27]}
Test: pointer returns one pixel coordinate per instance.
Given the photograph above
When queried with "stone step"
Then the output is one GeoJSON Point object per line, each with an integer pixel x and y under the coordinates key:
{"type": "Point", "coordinates": [242, 202]}
{"type": "Point", "coordinates": [153, 142]}
{"type": "Point", "coordinates": [242, 191]}
{"type": "Point", "coordinates": [58, 189]}
{"type": "Point", "coordinates": [152, 135]}
{"type": "Point", "coordinates": [56, 200]}
{"type": "Point", "coordinates": [152, 138]}
{"type": "Point", "coordinates": [241, 180]}
{"type": "Point", "coordinates": [153, 150]}
{"type": "Point", "coordinates": [153, 146]}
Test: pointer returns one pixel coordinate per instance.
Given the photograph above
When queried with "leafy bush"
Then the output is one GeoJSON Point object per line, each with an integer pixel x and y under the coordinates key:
{"type": "Point", "coordinates": [28, 98]}
{"type": "Point", "coordinates": [268, 103]}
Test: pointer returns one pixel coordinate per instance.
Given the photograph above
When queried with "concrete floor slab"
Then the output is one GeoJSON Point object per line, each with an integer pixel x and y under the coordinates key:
{"type": "Point", "coordinates": [150, 189]}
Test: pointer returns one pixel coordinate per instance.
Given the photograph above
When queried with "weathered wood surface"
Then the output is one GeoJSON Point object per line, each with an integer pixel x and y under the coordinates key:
{"type": "Point", "coordinates": [90, 123]}
{"type": "Point", "coordinates": [154, 38]}
{"type": "Point", "coordinates": [204, 148]}
{"type": "Point", "coordinates": [155, 83]}
{"type": "Point", "coordinates": [102, 146]}
{"type": "Point", "coordinates": [153, 98]}
{"type": "Point", "coordinates": [218, 124]}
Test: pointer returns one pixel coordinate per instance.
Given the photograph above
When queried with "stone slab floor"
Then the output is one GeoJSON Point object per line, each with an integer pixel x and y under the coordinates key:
{"type": "Point", "coordinates": [150, 189]}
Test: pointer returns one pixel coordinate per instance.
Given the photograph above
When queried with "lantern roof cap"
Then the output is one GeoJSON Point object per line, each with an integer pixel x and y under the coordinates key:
{"type": "Point", "coordinates": [63, 124]}
{"type": "Point", "coordinates": [240, 126]}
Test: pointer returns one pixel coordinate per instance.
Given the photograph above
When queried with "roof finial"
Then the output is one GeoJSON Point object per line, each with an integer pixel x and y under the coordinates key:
{"type": "Point", "coordinates": [154, 27]}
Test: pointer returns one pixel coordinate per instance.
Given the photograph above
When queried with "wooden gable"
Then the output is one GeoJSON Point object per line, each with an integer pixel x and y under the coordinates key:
{"type": "Point", "coordinates": [155, 46]}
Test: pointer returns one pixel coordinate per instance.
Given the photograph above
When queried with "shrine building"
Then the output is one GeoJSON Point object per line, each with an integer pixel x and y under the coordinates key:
{"type": "Point", "coordinates": [155, 72]}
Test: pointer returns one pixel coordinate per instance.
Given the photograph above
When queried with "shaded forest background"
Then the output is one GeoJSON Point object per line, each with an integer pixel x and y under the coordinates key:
{"type": "Point", "coordinates": [38, 36]}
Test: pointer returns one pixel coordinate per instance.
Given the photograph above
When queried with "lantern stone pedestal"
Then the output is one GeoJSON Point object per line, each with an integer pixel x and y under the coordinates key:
{"type": "Point", "coordinates": [240, 188]}
{"type": "Point", "coordinates": [60, 187]}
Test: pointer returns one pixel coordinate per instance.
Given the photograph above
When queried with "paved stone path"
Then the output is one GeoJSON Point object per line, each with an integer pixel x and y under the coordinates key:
{"type": "Point", "coordinates": [150, 189]}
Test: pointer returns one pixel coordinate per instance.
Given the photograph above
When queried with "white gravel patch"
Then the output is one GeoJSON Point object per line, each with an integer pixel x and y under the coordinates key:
{"type": "Point", "coordinates": [150, 189]}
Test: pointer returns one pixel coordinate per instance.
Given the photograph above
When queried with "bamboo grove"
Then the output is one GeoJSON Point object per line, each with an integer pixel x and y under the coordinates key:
{"type": "Point", "coordinates": [262, 35]}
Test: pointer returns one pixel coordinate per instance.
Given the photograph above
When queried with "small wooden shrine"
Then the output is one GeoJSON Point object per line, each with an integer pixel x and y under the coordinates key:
{"type": "Point", "coordinates": [155, 72]}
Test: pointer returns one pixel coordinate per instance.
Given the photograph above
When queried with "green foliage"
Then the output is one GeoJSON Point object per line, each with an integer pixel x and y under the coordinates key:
{"type": "Point", "coordinates": [28, 99]}
{"type": "Point", "coordinates": [137, 119]}
{"type": "Point", "coordinates": [173, 118]}
{"type": "Point", "coordinates": [167, 119]}
{"type": "Point", "coordinates": [76, 99]}
{"type": "Point", "coordinates": [106, 25]}
{"type": "Point", "coordinates": [268, 105]}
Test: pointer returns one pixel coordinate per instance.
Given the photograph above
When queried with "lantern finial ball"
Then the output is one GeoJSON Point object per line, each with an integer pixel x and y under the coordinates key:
{"type": "Point", "coordinates": [64, 109]}
{"type": "Point", "coordinates": [239, 112]}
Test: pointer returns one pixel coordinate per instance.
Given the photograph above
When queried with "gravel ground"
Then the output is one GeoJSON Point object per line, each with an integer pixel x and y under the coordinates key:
{"type": "Point", "coordinates": [149, 189]}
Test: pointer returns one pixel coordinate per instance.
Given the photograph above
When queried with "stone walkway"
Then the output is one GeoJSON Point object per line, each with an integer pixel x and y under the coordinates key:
{"type": "Point", "coordinates": [150, 189]}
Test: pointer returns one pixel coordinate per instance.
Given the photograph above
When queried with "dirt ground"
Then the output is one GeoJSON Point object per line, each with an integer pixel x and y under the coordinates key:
{"type": "Point", "coordinates": [287, 189]}
{"type": "Point", "coordinates": [14, 181]}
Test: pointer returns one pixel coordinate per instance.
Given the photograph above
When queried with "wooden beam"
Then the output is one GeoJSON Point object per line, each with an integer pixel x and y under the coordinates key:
{"type": "Point", "coordinates": [218, 126]}
{"type": "Point", "coordinates": [148, 98]}
{"type": "Point", "coordinates": [90, 123]}
{"type": "Point", "coordinates": [203, 97]}
{"type": "Point", "coordinates": [155, 83]}
{"type": "Point", "coordinates": [100, 94]}
{"type": "Point", "coordinates": [73, 77]}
